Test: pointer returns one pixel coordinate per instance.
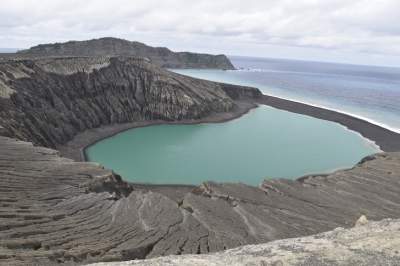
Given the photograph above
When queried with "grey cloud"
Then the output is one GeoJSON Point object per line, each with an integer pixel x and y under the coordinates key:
{"type": "Point", "coordinates": [358, 25]}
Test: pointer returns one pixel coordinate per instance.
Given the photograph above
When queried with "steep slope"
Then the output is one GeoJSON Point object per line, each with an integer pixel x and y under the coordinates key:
{"type": "Point", "coordinates": [376, 243]}
{"type": "Point", "coordinates": [48, 101]}
{"type": "Point", "coordinates": [117, 47]}
{"type": "Point", "coordinates": [54, 210]}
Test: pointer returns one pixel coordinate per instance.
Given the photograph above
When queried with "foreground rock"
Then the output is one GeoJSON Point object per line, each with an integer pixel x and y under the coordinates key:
{"type": "Point", "coordinates": [376, 243]}
{"type": "Point", "coordinates": [117, 47]}
{"type": "Point", "coordinates": [54, 210]}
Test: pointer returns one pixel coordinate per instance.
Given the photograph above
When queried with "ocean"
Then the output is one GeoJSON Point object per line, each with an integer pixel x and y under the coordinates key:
{"type": "Point", "coordinates": [371, 93]}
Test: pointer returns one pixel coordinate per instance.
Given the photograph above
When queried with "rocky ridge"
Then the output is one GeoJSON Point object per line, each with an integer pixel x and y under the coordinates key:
{"type": "Point", "coordinates": [118, 47]}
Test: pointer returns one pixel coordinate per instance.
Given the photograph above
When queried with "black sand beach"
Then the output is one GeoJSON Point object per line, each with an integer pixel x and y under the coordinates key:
{"type": "Point", "coordinates": [387, 140]}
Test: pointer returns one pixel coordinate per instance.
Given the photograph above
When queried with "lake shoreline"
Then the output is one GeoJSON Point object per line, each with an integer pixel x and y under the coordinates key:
{"type": "Point", "coordinates": [75, 149]}
{"type": "Point", "coordinates": [386, 140]}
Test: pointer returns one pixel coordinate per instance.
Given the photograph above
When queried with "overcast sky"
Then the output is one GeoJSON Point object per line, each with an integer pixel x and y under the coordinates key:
{"type": "Point", "coordinates": [352, 31]}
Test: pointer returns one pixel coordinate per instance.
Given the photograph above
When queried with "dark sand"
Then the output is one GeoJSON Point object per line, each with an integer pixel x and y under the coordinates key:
{"type": "Point", "coordinates": [387, 140]}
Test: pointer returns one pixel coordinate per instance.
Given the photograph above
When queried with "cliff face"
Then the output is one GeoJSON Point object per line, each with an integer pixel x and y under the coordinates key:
{"type": "Point", "coordinates": [118, 47]}
{"type": "Point", "coordinates": [48, 101]}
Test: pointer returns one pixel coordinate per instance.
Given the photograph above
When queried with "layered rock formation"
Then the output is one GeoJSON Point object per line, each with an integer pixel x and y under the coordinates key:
{"type": "Point", "coordinates": [117, 47]}
{"type": "Point", "coordinates": [376, 243]}
{"type": "Point", "coordinates": [54, 210]}
{"type": "Point", "coordinates": [48, 101]}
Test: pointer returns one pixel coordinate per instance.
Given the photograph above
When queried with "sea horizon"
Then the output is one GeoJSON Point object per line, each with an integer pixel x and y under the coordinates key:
{"type": "Point", "coordinates": [312, 61]}
{"type": "Point", "coordinates": [318, 84]}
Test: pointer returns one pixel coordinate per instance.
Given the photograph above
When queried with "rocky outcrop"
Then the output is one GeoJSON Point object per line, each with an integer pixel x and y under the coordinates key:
{"type": "Point", "coordinates": [48, 101]}
{"type": "Point", "coordinates": [117, 47]}
{"type": "Point", "coordinates": [376, 243]}
{"type": "Point", "coordinates": [54, 210]}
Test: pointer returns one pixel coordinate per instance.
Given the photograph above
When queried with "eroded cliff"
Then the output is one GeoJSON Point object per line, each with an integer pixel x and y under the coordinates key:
{"type": "Point", "coordinates": [48, 101]}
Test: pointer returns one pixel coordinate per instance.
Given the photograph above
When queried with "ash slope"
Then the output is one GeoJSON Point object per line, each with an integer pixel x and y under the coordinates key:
{"type": "Point", "coordinates": [54, 210]}
{"type": "Point", "coordinates": [376, 243]}
{"type": "Point", "coordinates": [49, 101]}
{"type": "Point", "coordinates": [118, 47]}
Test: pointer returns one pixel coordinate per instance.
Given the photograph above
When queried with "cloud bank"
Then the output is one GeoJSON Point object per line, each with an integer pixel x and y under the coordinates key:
{"type": "Point", "coordinates": [352, 27]}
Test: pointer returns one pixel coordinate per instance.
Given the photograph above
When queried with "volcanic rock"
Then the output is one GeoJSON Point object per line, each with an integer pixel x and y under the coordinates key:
{"type": "Point", "coordinates": [118, 47]}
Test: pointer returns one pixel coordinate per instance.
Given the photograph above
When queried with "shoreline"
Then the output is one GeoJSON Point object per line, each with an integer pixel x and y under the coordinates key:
{"type": "Point", "coordinates": [75, 149]}
{"type": "Point", "coordinates": [371, 121]}
{"type": "Point", "coordinates": [385, 139]}
{"type": "Point", "coordinates": [366, 119]}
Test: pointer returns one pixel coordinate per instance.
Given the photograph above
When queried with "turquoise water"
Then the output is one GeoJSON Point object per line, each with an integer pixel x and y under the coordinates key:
{"type": "Point", "coordinates": [266, 143]}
